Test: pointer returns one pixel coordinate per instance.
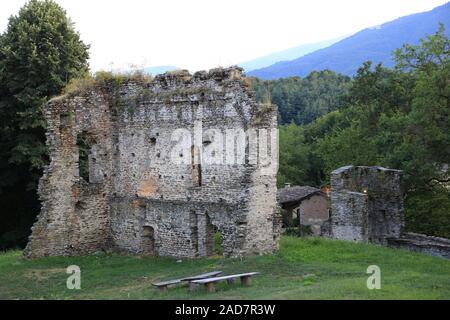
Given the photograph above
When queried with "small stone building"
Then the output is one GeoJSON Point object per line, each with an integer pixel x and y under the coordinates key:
{"type": "Point", "coordinates": [307, 204]}
{"type": "Point", "coordinates": [366, 204]}
{"type": "Point", "coordinates": [157, 167]}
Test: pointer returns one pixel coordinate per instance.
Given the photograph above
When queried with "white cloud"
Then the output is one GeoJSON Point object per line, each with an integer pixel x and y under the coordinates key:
{"type": "Point", "coordinates": [200, 34]}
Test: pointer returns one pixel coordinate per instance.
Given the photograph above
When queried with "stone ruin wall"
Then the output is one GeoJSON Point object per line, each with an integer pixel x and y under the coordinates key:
{"type": "Point", "coordinates": [366, 204]}
{"type": "Point", "coordinates": [434, 246]}
{"type": "Point", "coordinates": [137, 199]}
{"type": "Point", "coordinates": [74, 216]}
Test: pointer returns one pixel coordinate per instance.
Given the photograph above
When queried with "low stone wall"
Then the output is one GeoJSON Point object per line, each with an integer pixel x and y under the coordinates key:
{"type": "Point", "coordinates": [435, 246]}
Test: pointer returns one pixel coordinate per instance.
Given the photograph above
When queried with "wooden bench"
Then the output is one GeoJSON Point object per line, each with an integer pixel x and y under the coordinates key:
{"type": "Point", "coordinates": [246, 280]}
{"type": "Point", "coordinates": [162, 286]}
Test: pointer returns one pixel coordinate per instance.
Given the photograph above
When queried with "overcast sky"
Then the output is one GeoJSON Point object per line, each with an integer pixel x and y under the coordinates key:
{"type": "Point", "coordinates": [201, 34]}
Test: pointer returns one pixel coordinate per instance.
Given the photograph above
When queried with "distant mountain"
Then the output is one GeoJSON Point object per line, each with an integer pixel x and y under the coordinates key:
{"type": "Point", "coordinates": [375, 44]}
{"type": "Point", "coordinates": [159, 69]}
{"type": "Point", "coordinates": [289, 54]}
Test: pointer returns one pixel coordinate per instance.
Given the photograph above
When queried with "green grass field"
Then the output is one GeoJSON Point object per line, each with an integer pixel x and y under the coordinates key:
{"type": "Point", "coordinates": [303, 269]}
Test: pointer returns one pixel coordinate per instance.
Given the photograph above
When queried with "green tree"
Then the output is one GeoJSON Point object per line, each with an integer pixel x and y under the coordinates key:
{"type": "Point", "coordinates": [302, 100]}
{"type": "Point", "coordinates": [293, 151]}
{"type": "Point", "coordinates": [39, 53]}
{"type": "Point", "coordinates": [426, 149]}
{"type": "Point", "coordinates": [397, 118]}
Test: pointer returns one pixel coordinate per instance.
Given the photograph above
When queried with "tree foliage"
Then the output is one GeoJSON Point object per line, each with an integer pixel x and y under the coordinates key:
{"type": "Point", "coordinates": [397, 118]}
{"type": "Point", "coordinates": [301, 100]}
{"type": "Point", "coordinates": [39, 53]}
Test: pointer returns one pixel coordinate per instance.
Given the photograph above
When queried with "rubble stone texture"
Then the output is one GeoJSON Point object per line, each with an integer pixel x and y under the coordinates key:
{"type": "Point", "coordinates": [366, 204]}
{"type": "Point", "coordinates": [434, 246]}
{"type": "Point", "coordinates": [137, 200]}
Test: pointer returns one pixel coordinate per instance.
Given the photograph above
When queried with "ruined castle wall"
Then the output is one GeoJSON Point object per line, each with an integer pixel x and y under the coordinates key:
{"type": "Point", "coordinates": [367, 203]}
{"type": "Point", "coordinates": [263, 226]}
{"type": "Point", "coordinates": [146, 150]}
{"type": "Point", "coordinates": [159, 181]}
{"type": "Point", "coordinates": [350, 216]}
{"type": "Point", "coordinates": [74, 215]}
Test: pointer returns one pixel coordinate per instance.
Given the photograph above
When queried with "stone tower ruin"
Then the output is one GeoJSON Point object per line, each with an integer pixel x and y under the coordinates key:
{"type": "Point", "coordinates": [366, 204]}
{"type": "Point", "coordinates": [158, 167]}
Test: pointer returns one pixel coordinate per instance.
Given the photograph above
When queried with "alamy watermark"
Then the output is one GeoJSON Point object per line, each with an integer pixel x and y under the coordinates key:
{"type": "Point", "coordinates": [74, 280]}
{"type": "Point", "coordinates": [374, 281]}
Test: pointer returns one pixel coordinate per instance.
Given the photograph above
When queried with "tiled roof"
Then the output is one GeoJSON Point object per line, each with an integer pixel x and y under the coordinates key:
{"type": "Point", "coordinates": [296, 193]}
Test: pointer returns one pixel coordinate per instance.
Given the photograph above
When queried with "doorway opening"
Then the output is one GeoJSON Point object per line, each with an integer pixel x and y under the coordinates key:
{"type": "Point", "coordinates": [218, 241]}
{"type": "Point", "coordinates": [148, 241]}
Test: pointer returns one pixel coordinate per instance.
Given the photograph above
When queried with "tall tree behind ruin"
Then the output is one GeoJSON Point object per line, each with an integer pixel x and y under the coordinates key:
{"type": "Point", "coordinates": [39, 53]}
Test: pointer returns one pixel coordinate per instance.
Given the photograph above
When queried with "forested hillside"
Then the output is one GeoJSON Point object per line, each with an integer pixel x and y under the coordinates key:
{"type": "Point", "coordinates": [397, 118]}
{"type": "Point", "coordinates": [301, 100]}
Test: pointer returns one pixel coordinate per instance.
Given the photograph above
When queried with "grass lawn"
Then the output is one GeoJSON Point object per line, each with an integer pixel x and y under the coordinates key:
{"type": "Point", "coordinates": [312, 268]}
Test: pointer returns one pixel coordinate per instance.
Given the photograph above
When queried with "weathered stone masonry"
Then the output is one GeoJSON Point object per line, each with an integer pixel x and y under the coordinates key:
{"type": "Point", "coordinates": [137, 200]}
{"type": "Point", "coordinates": [366, 204]}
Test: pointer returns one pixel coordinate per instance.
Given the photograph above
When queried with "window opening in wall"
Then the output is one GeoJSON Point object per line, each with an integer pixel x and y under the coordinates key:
{"type": "Point", "coordinates": [196, 167]}
{"type": "Point", "coordinates": [64, 120]}
{"type": "Point", "coordinates": [84, 144]}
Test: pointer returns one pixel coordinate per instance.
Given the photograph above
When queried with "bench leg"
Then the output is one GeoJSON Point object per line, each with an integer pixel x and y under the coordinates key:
{"type": "Point", "coordinates": [193, 286]}
{"type": "Point", "coordinates": [162, 288]}
{"type": "Point", "coordinates": [246, 281]}
{"type": "Point", "coordinates": [210, 287]}
{"type": "Point", "coordinates": [231, 281]}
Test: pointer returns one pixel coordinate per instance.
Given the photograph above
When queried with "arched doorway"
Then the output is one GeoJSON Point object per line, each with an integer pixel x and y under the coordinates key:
{"type": "Point", "coordinates": [148, 241]}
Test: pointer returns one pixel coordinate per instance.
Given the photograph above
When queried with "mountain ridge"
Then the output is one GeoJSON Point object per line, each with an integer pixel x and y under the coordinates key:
{"type": "Point", "coordinates": [375, 44]}
{"type": "Point", "coordinates": [287, 54]}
